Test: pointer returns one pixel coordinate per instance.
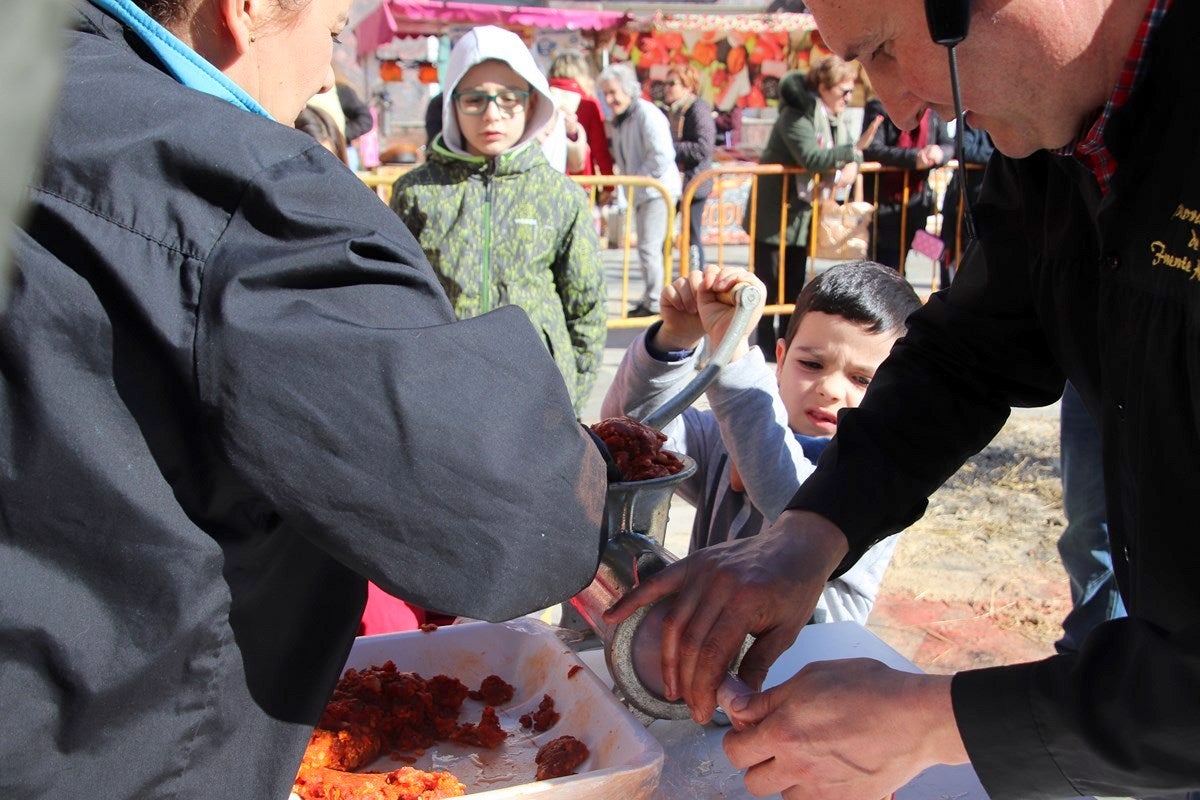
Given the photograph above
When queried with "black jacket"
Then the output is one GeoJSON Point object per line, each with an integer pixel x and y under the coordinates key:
{"type": "Point", "coordinates": [1106, 292]}
{"type": "Point", "coordinates": [978, 149]}
{"type": "Point", "coordinates": [885, 149]}
{"type": "Point", "coordinates": [695, 135]}
{"type": "Point", "coordinates": [231, 389]}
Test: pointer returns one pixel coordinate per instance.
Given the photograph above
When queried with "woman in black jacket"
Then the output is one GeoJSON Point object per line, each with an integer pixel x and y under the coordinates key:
{"type": "Point", "coordinates": [977, 149]}
{"type": "Point", "coordinates": [695, 134]}
{"type": "Point", "coordinates": [232, 389]}
{"type": "Point", "coordinates": [917, 151]}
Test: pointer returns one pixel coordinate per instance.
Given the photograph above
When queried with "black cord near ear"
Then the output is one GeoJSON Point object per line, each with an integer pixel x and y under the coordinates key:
{"type": "Point", "coordinates": [949, 21]}
{"type": "Point", "coordinates": [959, 137]}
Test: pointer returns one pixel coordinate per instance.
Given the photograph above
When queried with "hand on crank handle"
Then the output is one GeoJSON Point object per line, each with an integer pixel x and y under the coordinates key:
{"type": "Point", "coordinates": [722, 300]}
{"type": "Point", "coordinates": [706, 303]}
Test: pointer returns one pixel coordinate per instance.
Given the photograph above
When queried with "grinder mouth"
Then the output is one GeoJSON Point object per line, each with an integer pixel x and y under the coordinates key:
{"type": "Point", "coordinates": [688, 469]}
{"type": "Point", "coordinates": [643, 506]}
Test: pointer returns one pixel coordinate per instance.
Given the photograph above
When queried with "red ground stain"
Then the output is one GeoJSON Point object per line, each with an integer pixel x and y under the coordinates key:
{"type": "Point", "coordinates": [942, 636]}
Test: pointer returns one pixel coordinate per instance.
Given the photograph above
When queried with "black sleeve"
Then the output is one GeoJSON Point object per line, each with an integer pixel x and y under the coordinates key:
{"type": "Point", "coordinates": [883, 147]}
{"type": "Point", "coordinates": [358, 113]}
{"type": "Point", "coordinates": [1118, 718]}
{"type": "Point", "coordinates": [440, 459]}
{"type": "Point", "coordinates": [697, 148]}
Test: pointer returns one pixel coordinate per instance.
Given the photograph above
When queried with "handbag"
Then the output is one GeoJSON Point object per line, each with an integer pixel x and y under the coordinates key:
{"type": "Point", "coordinates": [843, 229]}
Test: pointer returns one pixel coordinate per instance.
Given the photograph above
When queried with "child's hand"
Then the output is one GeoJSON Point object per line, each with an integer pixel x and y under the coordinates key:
{"type": "Point", "coordinates": [717, 305]}
{"type": "Point", "coordinates": [681, 326]}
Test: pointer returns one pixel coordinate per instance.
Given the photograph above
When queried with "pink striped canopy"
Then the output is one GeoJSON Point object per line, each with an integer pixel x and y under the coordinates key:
{"type": "Point", "coordinates": [418, 18]}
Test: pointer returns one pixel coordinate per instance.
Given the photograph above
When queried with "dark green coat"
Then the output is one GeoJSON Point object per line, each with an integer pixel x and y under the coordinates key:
{"type": "Point", "coordinates": [513, 231]}
{"type": "Point", "coordinates": [800, 137]}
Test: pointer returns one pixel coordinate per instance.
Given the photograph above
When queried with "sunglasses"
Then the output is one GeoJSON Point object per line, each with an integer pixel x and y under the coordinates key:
{"type": "Point", "coordinates": [474, 104]}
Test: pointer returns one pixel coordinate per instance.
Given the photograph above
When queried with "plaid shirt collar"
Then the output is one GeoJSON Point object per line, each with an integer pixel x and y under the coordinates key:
{"type": "Point", "coordinates": [1091, 148]}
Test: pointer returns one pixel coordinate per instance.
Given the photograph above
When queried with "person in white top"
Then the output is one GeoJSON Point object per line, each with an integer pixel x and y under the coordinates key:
{"type": "Point", "coordinates": [642, 145]}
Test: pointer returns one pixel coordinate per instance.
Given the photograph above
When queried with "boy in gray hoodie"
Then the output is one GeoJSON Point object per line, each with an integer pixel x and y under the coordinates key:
{"type": "Point", "coordinates": [768, 423]}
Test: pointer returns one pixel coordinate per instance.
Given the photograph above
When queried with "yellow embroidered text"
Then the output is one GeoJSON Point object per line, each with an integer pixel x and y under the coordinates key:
{"type": "Point", "coordinates": [1186, 214]}
{"type": "Point", "coordinates": [1160, 257]}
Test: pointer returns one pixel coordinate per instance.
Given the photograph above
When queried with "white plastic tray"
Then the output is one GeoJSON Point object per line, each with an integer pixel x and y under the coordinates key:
{"type": "Point", "coordinates": [625, 760]}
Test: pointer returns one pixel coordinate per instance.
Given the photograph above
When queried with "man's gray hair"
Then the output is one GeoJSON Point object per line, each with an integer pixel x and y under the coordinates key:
{"type": "Point", "coordinates": [625, 76]}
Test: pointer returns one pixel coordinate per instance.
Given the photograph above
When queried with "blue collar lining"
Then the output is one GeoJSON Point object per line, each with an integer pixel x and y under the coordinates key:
{"type": "Point", "coordinates": [188, 67]}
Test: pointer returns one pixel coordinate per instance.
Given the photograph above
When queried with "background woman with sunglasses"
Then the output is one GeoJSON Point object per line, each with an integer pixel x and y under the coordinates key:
{"type": "Point", "coordinates": [695, 134]}
{"type": "Point", "coordinates": [810, 133]}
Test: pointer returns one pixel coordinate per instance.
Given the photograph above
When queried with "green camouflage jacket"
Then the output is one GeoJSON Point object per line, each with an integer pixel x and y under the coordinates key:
{"type": "Point", "coordinates": [513, 231]}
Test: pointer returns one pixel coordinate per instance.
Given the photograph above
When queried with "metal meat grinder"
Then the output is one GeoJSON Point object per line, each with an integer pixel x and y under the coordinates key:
{"type": "Point", "coordinates": [637, 523]}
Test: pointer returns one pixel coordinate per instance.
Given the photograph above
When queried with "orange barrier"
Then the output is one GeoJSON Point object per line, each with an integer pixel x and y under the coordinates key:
{"type": "Point", "coordinates": [632, 182]}
{"type": "Point", "coordinates": [382, 184]}
{"type": "Point", "coordinates": [939, 177]}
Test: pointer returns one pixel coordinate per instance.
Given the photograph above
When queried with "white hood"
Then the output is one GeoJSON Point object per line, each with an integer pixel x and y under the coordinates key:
{"type": "Point", "coordinates": [489, 43]}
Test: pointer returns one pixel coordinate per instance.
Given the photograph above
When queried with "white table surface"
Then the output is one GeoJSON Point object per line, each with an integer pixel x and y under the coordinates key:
{"type": "Point", "coordinates": [695, 767]}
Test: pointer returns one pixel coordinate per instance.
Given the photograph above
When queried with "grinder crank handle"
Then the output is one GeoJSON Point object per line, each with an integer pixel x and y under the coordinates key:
{"type": "Point", "coordinates": [745, 297]}
{"type": "Point", "coordinates": [732, 686]}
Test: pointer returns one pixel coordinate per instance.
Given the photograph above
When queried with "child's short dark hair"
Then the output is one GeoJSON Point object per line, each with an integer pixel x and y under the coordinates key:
{"type": "Point", "coordinates": [863, 292]}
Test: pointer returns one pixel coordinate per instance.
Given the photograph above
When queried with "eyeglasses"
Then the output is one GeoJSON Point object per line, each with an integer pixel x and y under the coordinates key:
{"type": "Point", "coordinates": [847, 92]}
{"type": "Point", "coordinates": [510, 101]}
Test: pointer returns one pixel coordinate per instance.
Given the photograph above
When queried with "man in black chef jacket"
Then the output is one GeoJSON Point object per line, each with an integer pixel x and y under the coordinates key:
{"type": "Point", "coordinates": [1087, 267]}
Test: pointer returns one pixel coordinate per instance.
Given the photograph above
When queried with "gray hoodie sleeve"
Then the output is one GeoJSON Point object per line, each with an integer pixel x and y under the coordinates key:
{"type": "Point", "coordinates": [754, 425]}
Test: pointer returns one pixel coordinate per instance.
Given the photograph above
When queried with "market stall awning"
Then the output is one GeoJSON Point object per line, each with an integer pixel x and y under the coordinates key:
{"type": "Point", "coordinates": [741, 23]}
{"type": "Point", "coordinates": [414, 18]}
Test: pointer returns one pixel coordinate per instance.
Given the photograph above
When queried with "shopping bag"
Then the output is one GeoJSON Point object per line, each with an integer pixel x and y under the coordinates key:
{"type": "Point", "coordinates": [843, 229]}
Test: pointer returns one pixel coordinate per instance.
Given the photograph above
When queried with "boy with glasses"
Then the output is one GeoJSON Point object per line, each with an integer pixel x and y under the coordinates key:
{"type": "Point", "coordinates": [500, 225]}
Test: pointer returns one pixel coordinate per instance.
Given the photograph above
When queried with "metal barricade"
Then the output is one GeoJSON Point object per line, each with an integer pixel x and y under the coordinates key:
{"type": "Point", "coordinates": [593, 183]}
{"type": "Point", "coordinates": [719, 175]}
{"type": "Point", "coordinates": [790, 174]}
